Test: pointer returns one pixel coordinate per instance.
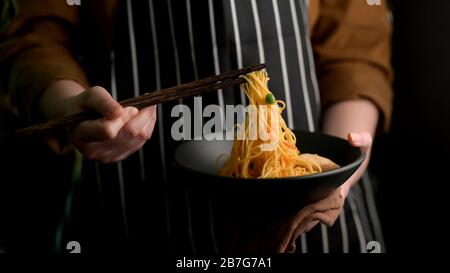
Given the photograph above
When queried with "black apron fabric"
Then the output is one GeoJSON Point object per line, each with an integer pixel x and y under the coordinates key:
{"type": "Point", "coordinates": [137, 205]}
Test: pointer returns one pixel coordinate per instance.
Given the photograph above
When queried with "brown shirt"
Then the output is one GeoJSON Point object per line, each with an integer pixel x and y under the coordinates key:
{"type": "Point", "coordinates": [351, 42]}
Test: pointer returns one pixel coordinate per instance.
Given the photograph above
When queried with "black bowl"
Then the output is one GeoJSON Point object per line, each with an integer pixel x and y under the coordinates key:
{"type": "Point", "coordinates": [197, 165]}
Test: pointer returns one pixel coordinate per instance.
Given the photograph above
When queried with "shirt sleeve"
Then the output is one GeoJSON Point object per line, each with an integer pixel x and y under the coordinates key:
{"type": "Point", "coordinates": [36, 50]}
{"type": "Point", "coordinates": [351, 42]}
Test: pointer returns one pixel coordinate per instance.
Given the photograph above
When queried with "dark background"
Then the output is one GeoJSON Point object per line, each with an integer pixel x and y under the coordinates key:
{"type": "Point", "coordinates": [412, 161]}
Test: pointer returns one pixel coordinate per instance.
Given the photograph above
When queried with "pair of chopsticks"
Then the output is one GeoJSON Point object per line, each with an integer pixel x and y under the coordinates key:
{"type": "Point", "coordinates": [227, 79]}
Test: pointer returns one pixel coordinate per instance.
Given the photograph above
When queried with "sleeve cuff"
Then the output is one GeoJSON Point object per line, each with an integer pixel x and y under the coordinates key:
{"type": "Point", "coordinates": [37, 70]}
{"type": "Point", "coordinates": [348, 81]}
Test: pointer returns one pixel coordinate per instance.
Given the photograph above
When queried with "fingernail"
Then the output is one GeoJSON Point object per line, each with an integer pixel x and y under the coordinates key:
{"type": "Point", "coordinates": [356, 138]}
{"type": "Point", "coordinates": [133, 110]}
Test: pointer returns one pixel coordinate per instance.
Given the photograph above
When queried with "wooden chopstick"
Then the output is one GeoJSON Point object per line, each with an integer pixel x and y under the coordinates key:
{"type": "Point", "coordinates": [227, 79]}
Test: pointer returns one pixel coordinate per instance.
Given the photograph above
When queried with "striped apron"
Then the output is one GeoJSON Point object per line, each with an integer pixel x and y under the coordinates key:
{"type": "Point", "coordinates": [159, 44]}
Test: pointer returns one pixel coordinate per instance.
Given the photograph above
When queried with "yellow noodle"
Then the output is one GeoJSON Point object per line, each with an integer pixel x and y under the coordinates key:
{"type": "Point", "coordinates": [246, 159]}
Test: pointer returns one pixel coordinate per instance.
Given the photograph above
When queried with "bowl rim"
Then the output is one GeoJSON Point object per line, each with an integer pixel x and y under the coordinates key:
{"type": "Point", "coordinates": [341, 169]}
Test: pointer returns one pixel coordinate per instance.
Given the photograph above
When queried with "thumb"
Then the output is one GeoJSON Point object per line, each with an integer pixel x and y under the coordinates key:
{"type": "Point", "coordinates": [362, 140]}
{"type": "Point", "coordinates": [98, 99]}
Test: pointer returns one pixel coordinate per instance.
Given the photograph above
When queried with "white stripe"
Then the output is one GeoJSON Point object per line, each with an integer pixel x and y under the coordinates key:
{"type": "Point", "coordinates": [122, 197]}
{"type": "Point", "coordinates": [309, 115]}
{"type": "Point", "coordinates": [324, 234]}
{"type": "Point", "coordinates": [162, 151]}
{"type": "Point", "coordinates": [191, 38]}
{"type": "Point", "coordinates": [237, 39]}
{"type": "Point", "coordinates": [262, 57]}
{"type": "Point", "coordinates": [113, 76]}
{"type": "Point", "coordinates": [358, 225]}
{"type": "Point", "coordinates": [215, 51]}
{"type": "Point", "coordinates": [99, 184]}
{"type": "Point", "coordinates": [304, 243]}
{"type": "Point", "coordinates": [133, 49]}
{"type": "Point", "coordinates": [175, 46]}
{"type": "Point", "coordinates": [119, 164]}
{"type": "Point", "coordinates": [135, 74]}
{"type": "Point", "coordinates": [189, 219]}
{"type": "Point", "coordinates": [155, 45]}
{"type": "Point", "coordinates": [167, 214]}
{"type": "Point", "coordinates": [194, 62]}
{"type": "Point", "coordinates": [310, 55]}
{"type": "Point", "coordinates": [178, 75]}
{"type": "Point", "coordinates": [313, 72]}
{"type": "Point", "coordinates": [284, 71]}
{"type": "Point", "coordinates": [211, 226]}
{"type": "Point", "coordinates": [344, 231]}
{"type": "Point", "coordinates": [362, 209]}
{"type": "Point", "coordinates": [373, 214]}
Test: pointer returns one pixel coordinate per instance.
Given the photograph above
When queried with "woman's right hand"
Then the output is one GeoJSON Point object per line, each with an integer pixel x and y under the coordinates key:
{"type": "Point", "coordinates": [121, 132]}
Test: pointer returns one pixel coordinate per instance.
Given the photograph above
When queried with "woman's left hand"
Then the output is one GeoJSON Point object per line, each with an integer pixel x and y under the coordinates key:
{"type": "Point", "coordinates": [326, 210]}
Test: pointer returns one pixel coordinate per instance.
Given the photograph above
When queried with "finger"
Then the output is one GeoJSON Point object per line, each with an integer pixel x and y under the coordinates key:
{"type": "Point", "coordinates": [285, 234]}
{"type": "Point", "coordinates": [363, 139]}
{"type": "Point", "coordinates": [152, 123]}
{"type": "Point", "coordinates": [330, 205]}
{"type": "Point", "coordinates": [102, 129]}
{"type": "Point", "coordinates": [327, 218]}
{"type": "Point", "coordinates": [306, 226]}
{"type": "Point", "coordinates": [127, 153]}
{"type": "Point", "coordinates": [141, 126]}
{"type": "Point", "coordinates": [106, 157]}
{"type": "Point", "coordinates": [119, 148]}
{"type": "Point", "coordinates": [131, 137]}
{"type": "Point", "coordinates": [292, 246]}
{"type": "Point", "coordinates": [98, 99]}
{"type": "Point", "coordinates": [110, 151]}
{"type": "Point", "coordinates": [333, 201]}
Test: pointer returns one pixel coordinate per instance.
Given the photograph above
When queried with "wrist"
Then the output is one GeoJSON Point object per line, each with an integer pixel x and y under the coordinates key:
{"type": "Point", "coordinates": [59, 99]}
{"type": "Point", "coordinates": [344, 189]}
{"type": "Point", "coordinates": [348, 116]}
